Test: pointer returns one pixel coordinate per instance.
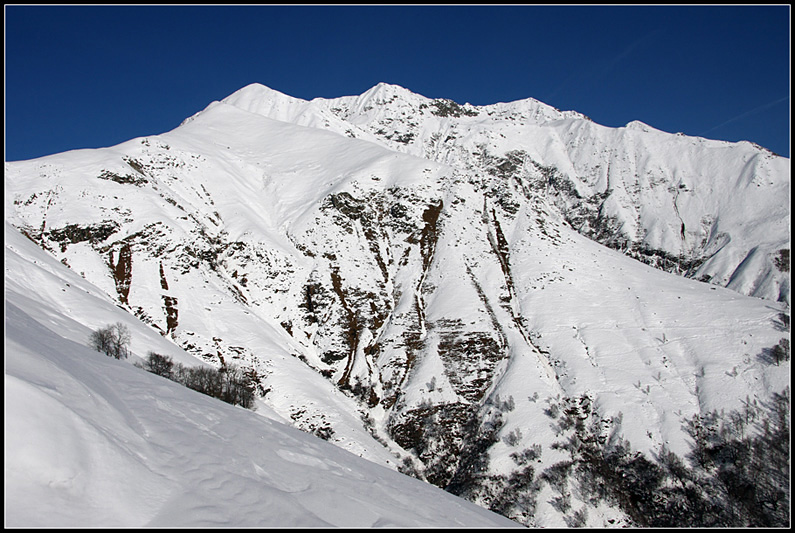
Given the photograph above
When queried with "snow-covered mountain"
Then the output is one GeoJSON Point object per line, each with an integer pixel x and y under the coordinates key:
{"type": "Point", "coordinates": [709, 209]}
{"type": "Point", "coordinates": [429, 285]}
{"type": "Point", "coordinates": [95, 442]}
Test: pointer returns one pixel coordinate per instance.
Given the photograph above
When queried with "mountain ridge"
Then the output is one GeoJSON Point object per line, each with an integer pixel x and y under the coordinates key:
{"type": "Point", "coordinates": [689, 240]}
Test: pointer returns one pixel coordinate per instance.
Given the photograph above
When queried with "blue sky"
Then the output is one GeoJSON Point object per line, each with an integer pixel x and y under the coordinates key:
{"type": "Point", "coordinates": [93, 76]}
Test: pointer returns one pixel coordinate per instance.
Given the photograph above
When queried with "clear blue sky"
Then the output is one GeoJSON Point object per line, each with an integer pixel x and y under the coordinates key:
{"type": "Point", "coordinates": [91, 76]}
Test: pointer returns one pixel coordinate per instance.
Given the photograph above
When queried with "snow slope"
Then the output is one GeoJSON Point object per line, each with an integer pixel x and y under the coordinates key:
{"type": "Point", "coordinates": [95, 442]}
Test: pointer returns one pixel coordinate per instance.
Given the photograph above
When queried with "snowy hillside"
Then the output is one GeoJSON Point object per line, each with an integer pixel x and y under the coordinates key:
{"type": "Point", "coordinates": [440, 289]}
{"type": "Point", "coordinates": [95, 442]}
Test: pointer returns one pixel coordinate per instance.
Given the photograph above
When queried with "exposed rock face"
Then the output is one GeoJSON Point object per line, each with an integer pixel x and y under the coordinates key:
{"type": "Point", "coordinates": [120, 262]}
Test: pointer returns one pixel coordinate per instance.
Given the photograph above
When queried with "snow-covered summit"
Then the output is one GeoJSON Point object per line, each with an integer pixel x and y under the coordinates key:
{"type": "Point", "coordinates": [262, 100]}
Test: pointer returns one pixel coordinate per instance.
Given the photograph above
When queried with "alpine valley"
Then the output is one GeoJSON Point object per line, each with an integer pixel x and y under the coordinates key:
{"type": "Point", "coordinates": [562, 322]}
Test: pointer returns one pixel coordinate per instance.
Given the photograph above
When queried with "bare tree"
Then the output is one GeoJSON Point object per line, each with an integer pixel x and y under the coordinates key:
{"type": "Point", "coordinates": [159, 364]}
{"type": "Point", "coordinates": [113, 340]}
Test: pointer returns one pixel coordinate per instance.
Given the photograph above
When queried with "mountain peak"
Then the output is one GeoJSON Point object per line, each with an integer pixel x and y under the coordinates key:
{"type": "Point", "coordinates": [388, 88]}
{"type": "Point", "coordinates": [638, 125]}
{"type": "Point", "coordinates": [259, 99]}
{"type": "Point", "coordinates": [386, 92]}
